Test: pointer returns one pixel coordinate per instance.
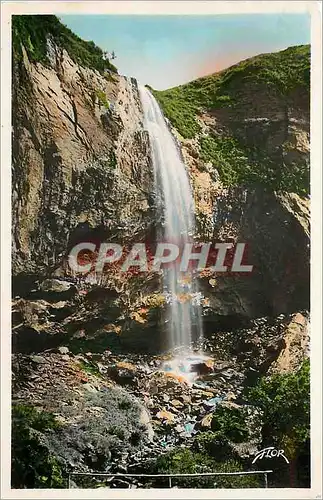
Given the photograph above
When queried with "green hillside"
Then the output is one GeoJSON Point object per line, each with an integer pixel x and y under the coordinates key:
{"type": "Point", "coordinates": [281, 71]}
{"type": "Point", "coordinates": [263, 86]}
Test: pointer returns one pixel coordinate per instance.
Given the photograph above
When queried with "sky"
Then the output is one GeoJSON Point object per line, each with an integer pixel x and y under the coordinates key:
{"type": "Point", "coordinates": [165, 51]}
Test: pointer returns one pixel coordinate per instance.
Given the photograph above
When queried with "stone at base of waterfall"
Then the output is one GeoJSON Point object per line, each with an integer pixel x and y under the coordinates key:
{"type": "Point", "coordinates": [123, 373]}
{"type": "Point", "coordinates": [231, 396]}
{"type": "Point", "coordinates": [145, 420]}
{"type": "Point", "coordinates": [63, 350]}
{"type": "Point", "coordinates": [207, 394]}
{"type": "Point", "coordinates": [203, 367]}
{"type": "Point", "coordinates": [54, 285]}
{"type": "Point", "coordinates": [207, 421]}
{"type": "Point", "coordinates": [162, 382]}
{"type": "Point", "coordinates": [166, 416]}
{"type": "Point", "coordinates": [38, 359]}
{"type": "Point", "coordinates": [89, 387]}
{"type": "Point", "coordinates": [189, 428]}
{"type": "Point", "coordinates": [211, 403]}
{"type": "Point", "coordinates": [58, 305]}
{"type": "Point", "coordinates": [177, 403]}
{"type": "Point", "coordinates": [180, 429]}
{"type": "Point", "coordinates": [185, 398]}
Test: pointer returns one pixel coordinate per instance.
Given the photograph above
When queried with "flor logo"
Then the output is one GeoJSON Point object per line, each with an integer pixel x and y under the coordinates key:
{"type": "Point", "coordinates": [270, 452]}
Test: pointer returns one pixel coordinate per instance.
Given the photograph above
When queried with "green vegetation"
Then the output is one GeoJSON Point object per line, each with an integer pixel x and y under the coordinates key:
{"type": "Point", "coordinates": [239, 165]}
{"type": "Point", "coordinates": [285, 401]}
{"type": "Point", "coordinates": [32, 31]}
{"type": "Point", "coordinates": [279, 73]}
{"type": "Point", "coordinates": [229, 158]}
{"type": "Point", "coordinates": [42, 448]}
{"type": "Point", "coordinates": [96, 343]}
{"type": "Point", "coordinates": [212, 451]}
{"type": "Point", "coordinates": [90, 368]}
{"type": "Point", "coordinates": [181, 108]}
{"type": "Point", "coordinates": [230, 424]}
{"type": "Point", "coordinates": [32, 464]}
{"type": "Point", "coordinates": [185, 461]}
{"type": "Point", "coordinates": [102, 99]}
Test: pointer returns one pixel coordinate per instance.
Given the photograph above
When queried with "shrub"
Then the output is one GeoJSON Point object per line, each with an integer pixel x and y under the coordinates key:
{"type": "Point", "coordinates": [230, 423]}
{"type": "Point", "coordinates": [33, 466]}
{"type": "Point", "coordinates": [94, 438]}
{"type": "Point", "coordinates": [42, 448]}
{"type": "Point", "coordinates": [285, 401]}
{"type": "Point", "coordinates": [180, 111]}
{"type": "Point", "coordinates": [102, 99]}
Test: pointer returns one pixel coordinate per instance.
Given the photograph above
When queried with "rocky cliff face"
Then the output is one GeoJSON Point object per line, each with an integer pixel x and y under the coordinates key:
{"type": "Point", "coordinates": [275, 229]}
{"type": "Point", "coordinates": [81, 163]}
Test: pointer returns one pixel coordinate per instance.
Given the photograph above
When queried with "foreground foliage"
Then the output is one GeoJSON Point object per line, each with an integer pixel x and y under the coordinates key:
{"type": "Point", "coordinates": [285, 401]}
{"type": "Point", "coordinates": [184, 461]}
{"type": "Point", "coordinates": [43, 449]}
{"type": "Point", "coordinates": [33, 466]}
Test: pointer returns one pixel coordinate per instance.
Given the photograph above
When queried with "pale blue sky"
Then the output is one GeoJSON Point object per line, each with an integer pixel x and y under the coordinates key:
{"type": "Point", "coordinates": [164, 51]}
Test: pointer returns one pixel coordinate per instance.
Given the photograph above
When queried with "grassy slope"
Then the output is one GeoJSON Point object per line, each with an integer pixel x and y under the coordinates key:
{"type": "Point", "coordinates": [32, 31]}
{"type": "Point", "coordinates": [281, 73]}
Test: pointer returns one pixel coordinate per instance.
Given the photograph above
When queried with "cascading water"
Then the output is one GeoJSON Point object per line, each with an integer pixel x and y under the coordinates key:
{"type": "Point", "coordinates": [175, 194]}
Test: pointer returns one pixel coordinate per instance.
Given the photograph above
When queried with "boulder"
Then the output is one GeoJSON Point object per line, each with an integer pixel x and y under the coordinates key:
{"type": "Point", "coordinates": [63, 350]}
{"type": "Point", "coordinates": [206, 421]}
{"type": "Point", "coordinates": [166, 415]}
{"type": "Point", "coordinates": [145, 420]}
{"type": "Point", "coordinates": [123, 373]}
{"type": "Point", "coordinates": [203, 368]}
{"type": "Point", "coordinates": [53, 285]}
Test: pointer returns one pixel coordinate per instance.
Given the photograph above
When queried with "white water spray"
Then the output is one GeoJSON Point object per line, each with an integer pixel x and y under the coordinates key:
{"type": "Point", "coordinates": [174, 192]}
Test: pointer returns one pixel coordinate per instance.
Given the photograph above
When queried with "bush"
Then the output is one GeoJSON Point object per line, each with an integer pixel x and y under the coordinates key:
{"type": "Point", "coordinates": [33, 466]}
{"type": "Point", "coordinates": [95, 438]}
{"type": "Point", "coordinates": [180, 111]}
{"type": "Point", "coordinates": [42, 448]}
{"type": "Point", "coordinates": [102, 99]}
{"type": "Point", "coordinates": [230, 423]}
{"type": "Point", "coordinates": [285, 402]}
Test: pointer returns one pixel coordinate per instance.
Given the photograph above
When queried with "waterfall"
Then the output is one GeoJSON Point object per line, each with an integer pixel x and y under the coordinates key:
{"type": "Point", "coordinates": [176, 202]}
